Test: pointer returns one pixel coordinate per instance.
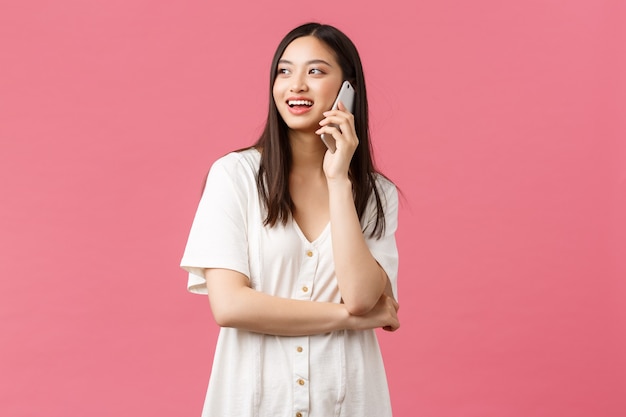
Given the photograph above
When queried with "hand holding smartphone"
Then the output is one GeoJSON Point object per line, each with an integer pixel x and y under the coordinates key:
{"type": "Point", "coordinates": [346, 96]}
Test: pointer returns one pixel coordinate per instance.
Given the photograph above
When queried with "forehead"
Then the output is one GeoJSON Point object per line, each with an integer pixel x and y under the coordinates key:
{"type": "Point", "coordinates": [308, 48]}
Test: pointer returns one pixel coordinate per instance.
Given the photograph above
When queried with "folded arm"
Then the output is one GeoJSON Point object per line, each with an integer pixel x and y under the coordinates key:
{"type": "Point", "coordinates": [235, 304]}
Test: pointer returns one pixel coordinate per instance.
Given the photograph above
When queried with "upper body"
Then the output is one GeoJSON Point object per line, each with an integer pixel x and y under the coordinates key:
{"type": "Point", "coordinates": [256, 372]}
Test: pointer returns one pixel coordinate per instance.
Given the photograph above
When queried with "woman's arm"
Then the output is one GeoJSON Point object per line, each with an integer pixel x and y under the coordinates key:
{"type": "Point", "coordinates": [235, 304]}
{"type": "Point", "coordinates": [360, 278]}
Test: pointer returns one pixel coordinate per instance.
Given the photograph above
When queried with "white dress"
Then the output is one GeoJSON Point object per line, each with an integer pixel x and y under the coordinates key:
{"type": "Point", "coordinates": [334, 374]}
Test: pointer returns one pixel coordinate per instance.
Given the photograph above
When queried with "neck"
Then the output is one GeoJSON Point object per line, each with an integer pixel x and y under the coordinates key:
{"type": "Point", "coordinates": [307, 152]}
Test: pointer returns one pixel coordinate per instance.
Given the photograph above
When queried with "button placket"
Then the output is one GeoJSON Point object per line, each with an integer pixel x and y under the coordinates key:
{"type": "Point", "coordinates": [301, 375]}
{"type": "Point", "coordinates": [303, 291]}
{"type": "Point", "coordinates": [308, 269]}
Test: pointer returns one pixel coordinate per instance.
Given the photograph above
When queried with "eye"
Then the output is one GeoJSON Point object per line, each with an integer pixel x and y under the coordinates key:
{"type": "Point", "coordinates": [282, 71]}
{"type": "Point", "coordinates": [316, 71]}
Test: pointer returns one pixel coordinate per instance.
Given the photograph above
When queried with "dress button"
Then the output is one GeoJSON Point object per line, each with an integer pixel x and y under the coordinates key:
{"type": "Point", "coordinates": [301, 382]}
{"type": "Point", "coordinates": [298, 414]}
{"type": "Point", "coordinates": [309, 253]}
{"type": "Point", "coordinates": [299, 349]}
{"type": "Point", "coordinates": [305, 289]}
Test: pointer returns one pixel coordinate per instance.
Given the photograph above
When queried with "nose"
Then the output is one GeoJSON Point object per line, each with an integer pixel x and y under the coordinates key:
{"type": "Point", "coordinates": [298, 83]}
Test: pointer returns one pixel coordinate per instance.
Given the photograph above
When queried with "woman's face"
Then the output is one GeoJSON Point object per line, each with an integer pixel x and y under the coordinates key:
{"type": "Point", "coordinates": [306, 85]}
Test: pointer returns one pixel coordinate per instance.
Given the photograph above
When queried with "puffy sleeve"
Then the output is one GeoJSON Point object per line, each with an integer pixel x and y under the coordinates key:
{"type": "Point", "coordinates": [384, 249]}
{"type": "Point", "coordinates": [218, 236]}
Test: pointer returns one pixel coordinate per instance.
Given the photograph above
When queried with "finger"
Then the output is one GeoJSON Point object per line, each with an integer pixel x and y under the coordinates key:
{"type": "Point", "coordinates": [391, 328]}
{"type": "Point", "coordinates": [344, 120]}
{"type": "Point", "coordinates": [333, 130]}
{"type": "Point", "coordinates": [338, 111]}
{"type": "Point", "coordinates": [344, 126]}
{"type": "Point", "coordinates": [338, 118]}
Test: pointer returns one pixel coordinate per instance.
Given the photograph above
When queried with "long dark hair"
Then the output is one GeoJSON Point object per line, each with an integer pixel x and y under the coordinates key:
{"type": "Point", "coordinates": [276, 160]}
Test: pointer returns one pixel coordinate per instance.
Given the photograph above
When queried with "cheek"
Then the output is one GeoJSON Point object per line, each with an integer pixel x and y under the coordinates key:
{"type": "Point", "coordinates": [278, 88]}
{"type": "Point", "coordinates": [330, 92]}
{"type": "Point", "coordinates": [274, 93]}
{"type": "Point", "coordinates": [276, 96]}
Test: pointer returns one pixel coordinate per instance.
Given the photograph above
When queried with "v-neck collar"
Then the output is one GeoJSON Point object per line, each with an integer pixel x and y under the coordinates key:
{"type": "Point", "coordinates": [315, 241]}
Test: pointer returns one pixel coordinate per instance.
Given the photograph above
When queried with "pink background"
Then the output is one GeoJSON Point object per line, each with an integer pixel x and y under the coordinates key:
{"type": "Point", "coordinates": [502, 122]}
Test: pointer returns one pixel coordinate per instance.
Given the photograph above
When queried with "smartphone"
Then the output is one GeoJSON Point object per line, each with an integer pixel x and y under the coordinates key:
{"type": "Point", "coordinates": [346, 96]}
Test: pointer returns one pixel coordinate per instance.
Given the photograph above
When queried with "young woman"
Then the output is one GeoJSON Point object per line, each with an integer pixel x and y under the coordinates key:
{"type": "Point", "coordinates": [295, 247]}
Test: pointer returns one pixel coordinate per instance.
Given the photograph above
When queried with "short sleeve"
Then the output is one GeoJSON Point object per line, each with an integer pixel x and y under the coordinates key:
{"type": "Point", "coordinates": [218, 236]}
{"type": "Point", "coordinates": [384, 249]}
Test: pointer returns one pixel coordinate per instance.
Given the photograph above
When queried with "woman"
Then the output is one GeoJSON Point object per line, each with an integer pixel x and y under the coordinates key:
{"type": "Point", "coordinates": [295, 247]}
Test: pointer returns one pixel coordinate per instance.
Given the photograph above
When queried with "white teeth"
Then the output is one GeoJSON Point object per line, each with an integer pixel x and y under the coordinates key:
{"type": "Point", "coordinates": [300, 103]}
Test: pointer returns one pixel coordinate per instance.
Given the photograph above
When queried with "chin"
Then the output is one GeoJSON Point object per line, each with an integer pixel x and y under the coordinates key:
{"type": "Point", "coordinates": [302, 126]}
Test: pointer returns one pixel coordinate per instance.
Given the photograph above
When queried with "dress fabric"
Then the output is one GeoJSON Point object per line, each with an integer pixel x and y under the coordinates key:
{"type": "Point", "coordinates": [334, 374]}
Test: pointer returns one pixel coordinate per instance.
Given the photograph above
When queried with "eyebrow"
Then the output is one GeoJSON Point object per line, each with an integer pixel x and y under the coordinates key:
{"type": "Point", "coordinates": [313, 61]}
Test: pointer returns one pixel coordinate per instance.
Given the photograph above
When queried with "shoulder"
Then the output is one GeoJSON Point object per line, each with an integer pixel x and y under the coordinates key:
{"type": "Point", "coordinates": [238, 161]}
{"type": "Point", "coordinates": [382, 201]}
{"type": "Point", "coordinates": [387, 190]}
{"type": "Point", "coordinates": [233, 173]}
{"type": "Point", "coordinates": [238, 167]}
{"type": "Point", "coordinates": [383, 183]}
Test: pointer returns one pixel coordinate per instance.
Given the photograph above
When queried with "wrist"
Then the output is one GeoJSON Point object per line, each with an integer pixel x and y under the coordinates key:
{"type": "Point", "coordinates": [342, 182]}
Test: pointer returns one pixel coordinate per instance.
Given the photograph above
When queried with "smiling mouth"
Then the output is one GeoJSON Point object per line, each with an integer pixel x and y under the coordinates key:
{"type": "Point", "coordinates": [299, 103]}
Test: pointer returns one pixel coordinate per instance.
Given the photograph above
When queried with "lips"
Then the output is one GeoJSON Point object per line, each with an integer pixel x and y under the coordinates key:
{"type": "Point", "coordinates": [299, 105]}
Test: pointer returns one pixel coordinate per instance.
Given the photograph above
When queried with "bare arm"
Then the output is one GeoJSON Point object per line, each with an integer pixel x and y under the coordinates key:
{"type": "Point", "coordinates": [235, 304]}
{"type": "Point", "coordinates": [360, 278]}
